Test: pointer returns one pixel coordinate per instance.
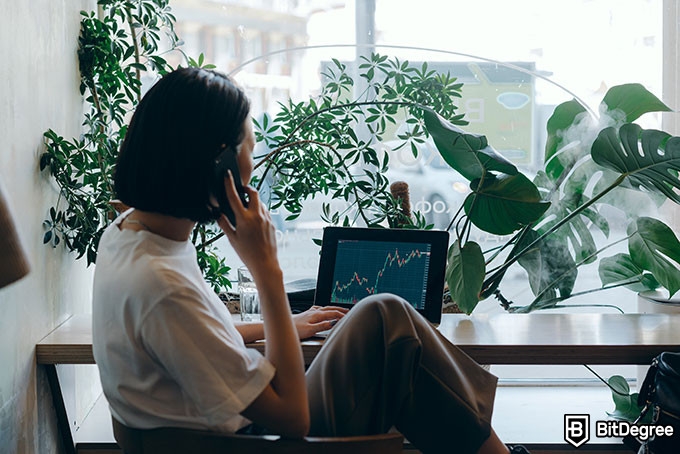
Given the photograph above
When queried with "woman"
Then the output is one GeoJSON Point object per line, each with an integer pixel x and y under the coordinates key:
{"type": "Point", "coordinates": [170, 355]}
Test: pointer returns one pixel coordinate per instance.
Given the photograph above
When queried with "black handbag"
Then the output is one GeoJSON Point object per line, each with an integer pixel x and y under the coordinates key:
{"type": "Point", "coordinates": [660, 394]}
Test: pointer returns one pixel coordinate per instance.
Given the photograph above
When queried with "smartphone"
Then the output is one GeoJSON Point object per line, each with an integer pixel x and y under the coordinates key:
{"type": "Point", "coordinates": [226, 160]}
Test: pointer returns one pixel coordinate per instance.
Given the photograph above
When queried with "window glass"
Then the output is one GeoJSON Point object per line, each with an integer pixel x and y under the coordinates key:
{"type": "Point", "coordinates": [517, 61]}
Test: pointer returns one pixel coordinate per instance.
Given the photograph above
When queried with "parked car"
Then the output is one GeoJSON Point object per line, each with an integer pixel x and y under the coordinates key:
{"type": "Point", "coordinates": [436, 190]}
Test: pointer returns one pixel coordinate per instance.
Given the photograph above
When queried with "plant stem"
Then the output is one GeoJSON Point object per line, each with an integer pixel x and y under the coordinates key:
{"type": "Point", "coordinates": [205, 244]}
{"type": "Point", "coordinates": [102, 130]}
{"type": "Point", "coordinates": [515, 239]}
{"type": "Point", "coordinates": [133, 34]}
{"type": "Point", "coordinates": [202, 235]}
{"type": "Point", "coordinates": [453, 219]}
{"type": "Point", "coordinates": [565, 306]}
{"type": "Point", "coordinates": [604, 381]}
{"type": "Point", "coordinates": [549, 303]}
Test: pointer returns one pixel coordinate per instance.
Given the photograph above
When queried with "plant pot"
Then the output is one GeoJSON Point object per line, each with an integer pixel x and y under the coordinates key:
{"type": "Point", "coordinates": [656, 302]}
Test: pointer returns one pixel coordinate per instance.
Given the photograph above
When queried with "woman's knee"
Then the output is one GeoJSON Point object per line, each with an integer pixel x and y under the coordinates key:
{"type": "Point", "coordinates": [383, 306]}
{"type": "Point", "coordinates": [384, 298]}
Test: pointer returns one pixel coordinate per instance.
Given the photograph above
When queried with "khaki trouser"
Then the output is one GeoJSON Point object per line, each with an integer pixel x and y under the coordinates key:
{"type": "Point", "coordinates": [384, 365]}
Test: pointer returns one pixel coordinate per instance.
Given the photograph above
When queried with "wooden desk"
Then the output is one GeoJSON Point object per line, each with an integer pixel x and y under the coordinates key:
{"type": "Point", "coordinates": [541, 338]}
{"type": "Point", "coordinates": [71, 343]}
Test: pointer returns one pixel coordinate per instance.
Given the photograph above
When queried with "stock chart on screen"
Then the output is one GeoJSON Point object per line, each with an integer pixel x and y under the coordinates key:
{"type": "Point", "coordinates": [363, 268]}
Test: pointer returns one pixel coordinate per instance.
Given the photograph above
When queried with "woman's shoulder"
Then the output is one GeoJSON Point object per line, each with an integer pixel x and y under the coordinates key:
{"type": "Point", "coordinates": [134, 269]}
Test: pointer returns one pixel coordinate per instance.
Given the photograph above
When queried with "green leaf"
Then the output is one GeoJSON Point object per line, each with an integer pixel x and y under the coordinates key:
{"type": "Point", "coordinates": [570, 199]}
{"type": "Point", "coordinates": [549, 264]}
{"type": "Point", "coordinates": [654, 247]}
{"type": "Point", "coordinates": [83, 167]}
{"type": "Point", "coordinates": [625, 403]}
{"type": "Point", "coordinates": [633, 100]}
{"type": "Point", "coordinates": [620, 268]}
{"type": "Point", "coordinates": [581, 240]}
{"type": "Point", "coordinates": [469, 154]}
{"type": "Point", "coordinates": [649, 158]}
{"type": "Point", "coordinates": [564, 116]}
{"type": "Point", "coordinates": [504, 204]}
{"type": "Point", "coordinates": [619, 385]}
{"type": "Point", "coordinates": [465, 271]}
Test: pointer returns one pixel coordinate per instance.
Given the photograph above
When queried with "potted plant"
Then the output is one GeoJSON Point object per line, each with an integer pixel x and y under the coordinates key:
{"type": "Point", "coordinates": [115, 53]}
{"type": "Point", "coordinates": [550, 219]}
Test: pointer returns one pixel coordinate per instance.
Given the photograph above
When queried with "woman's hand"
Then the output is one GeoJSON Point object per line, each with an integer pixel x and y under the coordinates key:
{"type": "Point", "coordinates": [317, 318]}
{"type": "Point", "coordinates": [254, 238]}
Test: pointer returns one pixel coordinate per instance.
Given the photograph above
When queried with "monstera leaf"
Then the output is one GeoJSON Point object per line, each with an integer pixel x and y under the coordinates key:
{"type": "Point", "coordinates": [654, 247]}
{"type": "Point", "coordinates": [469, 154]}
{"type": "Point", "coordinates": [504, 203]}
{"type": "Point", "coordinates": [568, 201]}
{"type": "Point", "coordinates": [620, 268]}
{"type": "Point", "coordinates": [568, 126]}
{"type": "Point", "coordinates": [550, 266]}
{"type": "Point", "coordinates": [465, 270]}
{"type": "Point", "coordinates": [564, 116]}
{"type": "Point", "coordinates": [633, 100]}
{"type": "Point", "coordinates": [649, 158]}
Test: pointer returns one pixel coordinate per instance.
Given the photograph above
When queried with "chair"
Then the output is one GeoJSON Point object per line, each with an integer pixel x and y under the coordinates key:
{"type": "Point", "coordinates": [185, 441]}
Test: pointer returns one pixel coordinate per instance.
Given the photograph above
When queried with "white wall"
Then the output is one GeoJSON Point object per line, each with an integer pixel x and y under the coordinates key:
{"type": "Point", "coordinates": [38, 90]}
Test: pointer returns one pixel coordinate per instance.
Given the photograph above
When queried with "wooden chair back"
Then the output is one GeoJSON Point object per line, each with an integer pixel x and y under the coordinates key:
{"type": "Point", "coordinates": [184, 441]}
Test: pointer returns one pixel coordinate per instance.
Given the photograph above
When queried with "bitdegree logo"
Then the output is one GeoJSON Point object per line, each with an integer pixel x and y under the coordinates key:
{"type": "Point", "coordinates": [608, 429]}
{"type": "Point", "coordinates": [576, 429]}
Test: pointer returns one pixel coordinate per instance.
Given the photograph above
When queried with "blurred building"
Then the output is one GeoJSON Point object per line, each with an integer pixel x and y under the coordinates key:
{"type": "Point", "coordinates": [251, 37]}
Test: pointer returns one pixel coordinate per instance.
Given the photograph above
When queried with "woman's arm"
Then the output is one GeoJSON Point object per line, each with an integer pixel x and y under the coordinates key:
{"type": "Point", "coordinates": [250, 332]}
{"type": "Point", "coordinates": [282, 406]}
{"type": "Point", "coordinates": [286, 398]}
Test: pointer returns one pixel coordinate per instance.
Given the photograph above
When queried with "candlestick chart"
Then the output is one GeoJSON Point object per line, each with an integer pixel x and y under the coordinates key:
{"type": "Point", "coordinates": [364, 268]}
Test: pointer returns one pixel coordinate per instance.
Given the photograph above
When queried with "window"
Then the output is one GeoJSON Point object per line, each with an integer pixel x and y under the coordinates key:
{"type": "Point", "coordinates": [554, 51]}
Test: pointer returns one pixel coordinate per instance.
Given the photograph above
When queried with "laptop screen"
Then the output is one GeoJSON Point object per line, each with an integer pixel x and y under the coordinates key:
{"type": "Point", "coordinates": [364, 268]}
{"type": "Point", "coordinates": [358, 262]}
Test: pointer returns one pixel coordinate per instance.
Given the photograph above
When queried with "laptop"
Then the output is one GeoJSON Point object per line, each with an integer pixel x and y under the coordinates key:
{"type": "Point", "coordinates": [359, 262]}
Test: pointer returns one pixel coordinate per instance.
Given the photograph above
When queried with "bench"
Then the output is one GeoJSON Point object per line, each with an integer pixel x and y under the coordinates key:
{"type": "Point", "coordinates": [538, 338]}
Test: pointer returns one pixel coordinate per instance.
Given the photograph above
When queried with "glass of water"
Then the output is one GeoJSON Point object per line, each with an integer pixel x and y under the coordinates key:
{"type": "Point", "coordinates": [249, 299]}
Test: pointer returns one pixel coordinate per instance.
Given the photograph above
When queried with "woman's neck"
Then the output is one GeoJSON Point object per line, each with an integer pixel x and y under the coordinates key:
{"type": "Point", "coordinates": [170, 227]}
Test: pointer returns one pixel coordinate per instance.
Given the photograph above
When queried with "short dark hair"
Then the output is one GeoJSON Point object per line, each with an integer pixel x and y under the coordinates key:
{"type": "Point", "coordinates": [166, 161]}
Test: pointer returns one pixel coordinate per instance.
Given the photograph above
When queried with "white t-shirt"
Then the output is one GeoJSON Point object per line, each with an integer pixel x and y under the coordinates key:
{"type": "Point", "coordinates": [166, 347]}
